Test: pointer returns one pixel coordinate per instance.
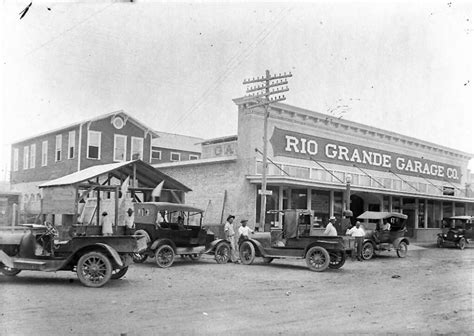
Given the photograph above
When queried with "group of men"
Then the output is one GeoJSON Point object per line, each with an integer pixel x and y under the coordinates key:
{"type": "Point", "coordinates": [243, 233]}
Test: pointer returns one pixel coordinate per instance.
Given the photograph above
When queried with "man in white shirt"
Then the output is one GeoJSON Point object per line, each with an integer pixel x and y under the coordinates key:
{"type": "Point", "coordinates": [230, 236]}
{"type": "Point", "coordinates": [358, 233]}
{"type": "Point", "coordinates": [386, 226]}
{"type": "Point", "coordinates": [244, 230]}
{"type": "Point", "coordinates": [330, 229]}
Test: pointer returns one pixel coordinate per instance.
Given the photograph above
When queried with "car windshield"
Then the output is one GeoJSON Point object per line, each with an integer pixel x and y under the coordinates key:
{"type": "Point", "coordinates": [186, 218]}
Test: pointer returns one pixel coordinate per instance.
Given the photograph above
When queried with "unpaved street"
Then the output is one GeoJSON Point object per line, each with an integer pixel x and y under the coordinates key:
{"type": "Point", "coordinates": [430, 293]}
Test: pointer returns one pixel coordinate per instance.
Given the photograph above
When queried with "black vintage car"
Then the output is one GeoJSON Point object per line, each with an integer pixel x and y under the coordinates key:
{"type": "Point", "coordinates": [175, 229]}
{"type": "Point", "coordinates": [459, 232]}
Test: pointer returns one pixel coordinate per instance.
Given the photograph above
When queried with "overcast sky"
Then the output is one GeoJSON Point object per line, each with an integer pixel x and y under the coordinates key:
{"type": "Point", "coordinates": [400, 66]}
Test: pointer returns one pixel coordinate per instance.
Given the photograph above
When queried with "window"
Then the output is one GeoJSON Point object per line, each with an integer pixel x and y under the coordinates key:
{"type": "Point", "coordinates": [44, 153]}
{"type": "Point", "coordinates": [59, 144]}
{"type": "Point", "coordinates": [175, 156]}
{"type": "Point", "coordinates": [33, 156]}
{"type": "Point", "coordinates": [120, 147]}
{"type": "Point", "coordinates": [93, 145]}
{"type": "Point", "coordinates": [137, 148]}
{"type": "Point", "coordinates": [193, 157]}
{"type": "Point", "coordinates": [71, 147]}
{"type": "Point", "coordinates": [26, 156]}
{"type": "Point", "coordinates": [155, 153]}
{"type": "Point", "coordinates": [15, 159]}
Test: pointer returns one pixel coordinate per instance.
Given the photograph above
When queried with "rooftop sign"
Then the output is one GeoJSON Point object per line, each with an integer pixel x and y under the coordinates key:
{"type": "Point", "coordinates": [304, 146]}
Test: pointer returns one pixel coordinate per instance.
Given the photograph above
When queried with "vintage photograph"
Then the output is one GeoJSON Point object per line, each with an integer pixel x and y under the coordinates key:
{"type": "Point", "coordinates": [236, 168]}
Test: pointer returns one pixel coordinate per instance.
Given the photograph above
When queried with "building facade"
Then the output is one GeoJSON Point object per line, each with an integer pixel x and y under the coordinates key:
{"type": "Point", "coordinates": [321, 164]}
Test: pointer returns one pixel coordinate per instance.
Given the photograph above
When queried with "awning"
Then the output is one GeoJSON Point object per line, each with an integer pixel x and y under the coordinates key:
{"type": "Point", "coordinates": [381, 215]}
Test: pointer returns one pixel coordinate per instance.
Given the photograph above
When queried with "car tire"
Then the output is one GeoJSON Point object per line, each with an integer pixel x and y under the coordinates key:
{"type": "Point", "coordinates": [267, 260]}
{"type": "Point", "coordinates": [317, 259]}
{"type": "Point", "coordinates": [247, 253]}
{"type": "Point", "coordinates": [222, 253]}
{"type": "Point", "coordinates": [164, 256]}
{"type": "Point", "coordinates": [118, 273]}
{"type": "Point", "coordinates": [462, 243]}
{"type": "Point", "coordinates": [439, 242]}
{"type": "Point", "coordinates": [402, 250]}
{"type": "Point", "coordinates": [9, 271]}
{"type": "Point", "coordinates": [94, 269]}
{"type": "Point", "coordinates": [368, 250]}
{"type": "Point", "coordinates": [337, 259]}
{"type": "Point", "coordinates": [139, 258]}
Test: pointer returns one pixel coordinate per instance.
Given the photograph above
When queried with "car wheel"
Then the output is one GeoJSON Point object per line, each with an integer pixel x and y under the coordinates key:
{"type": "Point", "coordinates": [439, 242]}
{"type": "Point", "coordinates": [9, 271]}
{"type": "Point", "coordinates": [367, 251]}
{"type": "Point", "coordinates": [337, 259]}
{"type": "Point", "coordinates": [317, 259]}
{"type": "Point", "coordinates": [267, 260]}
{"type": "Point", "coordinates": [164, 256]}
{"type": "Point", "coordinates": [402, 250]}
{"type": "Point", "coordinates": [139, 258]}
{"type": "Point", "coordinates": [94, 269]}
{"type": "Point", "coordinates": [247, 253]}
{"type": "Point", "coordinates": [118, 273]}
{"type": "Point", "coordinates": [462, 243]}
{"type": "Point", "coordinates": [222, 253]}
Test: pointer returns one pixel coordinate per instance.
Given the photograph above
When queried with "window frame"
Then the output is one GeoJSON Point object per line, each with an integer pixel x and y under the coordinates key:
{"type": "Point", "coordinates": [171, 156]}
{"type": "Point", "coordinates": [142, 142]}
{"type": "Point", "coordinates": [71, 146]}
{"type": "Point", "coordinates": [155, 151]}
{"type": "Point", "coordinates": [44, 153]}
{"type": "Point", "coordinates": [26, 157]}
{"type": "Point", "coordinates": [58, 148]}
{"type": "Point", "coordinates": [89, 144]}
{"type": "Point", "coordinates": [117, 136]}
{"type": "Point", "coordinates": [16, 159]}
{"type": "Point", "coordinates": [193, 157]}
{"type": "Point", "coordinates": [33, 156]}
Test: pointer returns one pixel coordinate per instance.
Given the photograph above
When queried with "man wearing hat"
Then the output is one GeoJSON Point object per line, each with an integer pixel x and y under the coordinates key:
{"type": "Point", "coordinates": [330, 229]}
{"type": "Point", "coordinates": [244, 230]}
{"type": "Point", "coordinates": [359, 234]}
{"type": "Point", "coordinates": [230, 236]}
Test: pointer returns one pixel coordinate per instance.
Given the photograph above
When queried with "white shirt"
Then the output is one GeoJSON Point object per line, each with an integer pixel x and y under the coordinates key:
{"type": "Point", "coordinates": [229, 229]}
{"type": "Point", "coordinates": [386, 226]}
{"type": "Point", "coordinates": [244, 231]}
{"type": "Point", "coordinates": [356, 232]}
{"type": "Point", "coordinates": [330, 230]}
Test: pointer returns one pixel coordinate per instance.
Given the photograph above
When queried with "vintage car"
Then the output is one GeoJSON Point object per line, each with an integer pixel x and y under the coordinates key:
{"type": "Point", "coordinates": [459, 233]}
{"type": "Point", "coordinates": [295, 241]}
{"type": "Point", "coordinates": [95, 258]}
{"type": "Point", "coordinates": [377, 239]}
{"type": "Point", "coordinates": [174, 229]}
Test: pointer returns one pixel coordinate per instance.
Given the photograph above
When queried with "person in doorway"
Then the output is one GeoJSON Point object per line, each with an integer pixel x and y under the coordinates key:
{"type": "Point", "coordinates": [106, 223]}
{"type": "Point", "coordinates": [244, 231]}
{"type": "Point", "coordinates": [358, 233]}
{"type": "Point", "coordinates": [330, 229]}
{"type": "Point", "coordinates": [230, 236]}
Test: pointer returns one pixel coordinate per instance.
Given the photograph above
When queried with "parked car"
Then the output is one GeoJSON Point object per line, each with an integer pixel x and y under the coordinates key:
{"type": "Point", "coordinates": [459, 233]}
{"type": "Point", "coordinates": [385, 240]}
{"type": "Point", "coordinates": [173, 229]}
{"type": "Point", "coordinates": [96, 259]}
{"type": "Point", "coordinates": [295, 241]}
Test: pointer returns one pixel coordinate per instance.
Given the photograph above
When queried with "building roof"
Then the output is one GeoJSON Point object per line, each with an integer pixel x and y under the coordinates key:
{"type": "Point", "coordinates": [146, 175]}
{"type": "Point", "coordinates": [127, 116]}
{"type": "Point", "coordinates": [227, 138]}
{"type": "Point", "coordinates": [177, 141]}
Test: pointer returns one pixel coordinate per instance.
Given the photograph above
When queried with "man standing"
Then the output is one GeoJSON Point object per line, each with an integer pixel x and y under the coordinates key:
{"type": "Point", "coordinates": [106, 223]}
{"type": "Point", "coordinates": [230, 236]}
{"type": "Point", "coordinates": [358, 233]}
{"type": "Point", "coordinates": [244, 230]}
{"type": "Point", "coordinates": [129, 221]}
{"type": "Point", "coordinates": [330, 229]}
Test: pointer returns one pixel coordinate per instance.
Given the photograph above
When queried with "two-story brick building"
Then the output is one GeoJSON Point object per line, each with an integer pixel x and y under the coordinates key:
{"type": "Point", "coordinates": [113, 137]}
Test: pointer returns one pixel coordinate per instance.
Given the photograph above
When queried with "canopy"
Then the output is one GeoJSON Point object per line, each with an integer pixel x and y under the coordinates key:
{"type": "Point", "coordinates": [462, 217]}
{"type": "Point", "coordinates": [381, 215]}
{"type": "Point", "coordinates": [172, 206]}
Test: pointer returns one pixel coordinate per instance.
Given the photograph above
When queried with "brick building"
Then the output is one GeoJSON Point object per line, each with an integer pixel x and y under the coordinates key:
{"type": "Point", "coordinates": [313, 160]}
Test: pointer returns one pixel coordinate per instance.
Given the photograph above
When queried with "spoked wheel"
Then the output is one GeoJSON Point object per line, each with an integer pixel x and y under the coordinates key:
{"type": "Point", "coordinates": [94, 269]}
{"type": "Point", "coordinates": [317, 259]}
{"type": "Point", "coordinates": [367, 251]}
{"type": "Point", "coordinates": [222, 253]}
{"type": "Point", "coordinates": [267, 260]}
{"type": "Point", "coordinates": [9, 271]}
{"type": "Point", "coordinates": [402, 250]}
{"type": "Point", "coordinates": [139, 257]}
{"type": "Point", "coordinates": [247, 253]}
{"type": "Point", "coordinates": [118, 273]}
{"type": "Point", "coordinates": [462, 243]}
{"type": "Point", "coordinates": [164, 256]}
{"type": "Point", "coordinates": [338, 259]}
{"type": "Point", "coordinates": [439, 242]}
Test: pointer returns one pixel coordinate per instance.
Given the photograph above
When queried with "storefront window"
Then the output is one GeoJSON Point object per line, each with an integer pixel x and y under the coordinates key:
{"type": "Point", "coordinates": [421, 213]}
{"type": "Point", "coordinates": [338, 205]}
{"type": "Point", "coordinates": [386, 206]}
{"type": "Point", "coordinates": [460, 209]}
{"type": "Point", "coordinates": [272, 204]}
{"type": "Point", "coordinates": [396, 204]}
{"type": "Point", "coordinates": [436, 214]}
{"type": "Point", "coordinates": [431, 215]}
{"type": "Point", "coordinates": [447, 209]}
{"type": "Point", "coordinates": [320, 206]}
{"type": "Point", "coordinates": [470, 209]}
{"type": "Point", "coordinates": [299, 199]}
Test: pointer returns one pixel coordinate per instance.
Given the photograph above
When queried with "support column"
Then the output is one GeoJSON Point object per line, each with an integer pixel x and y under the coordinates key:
{"type": "Point", "coordinates": [426, 214]}
{"type": "Point", "coordinates": [417, 211]}
{"type": "Point", "coordinates": [331, 203]}
{"type": "Point", "coordinates": [308, 198]}
{"type": "Point", "coordinates": [390, 206]}
{"type": "Point", "coordinates": [280, 206]}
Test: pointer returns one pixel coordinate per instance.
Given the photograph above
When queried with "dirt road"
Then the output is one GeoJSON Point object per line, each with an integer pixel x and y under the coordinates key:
{"type": "Point", "coordinates": [428, 292]}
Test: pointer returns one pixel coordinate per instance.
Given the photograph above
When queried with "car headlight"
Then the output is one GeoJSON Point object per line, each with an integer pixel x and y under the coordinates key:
{"type": "Point", "coordinates": [445, 235]}
{"type": "Point", "coordinates": [455, 236]}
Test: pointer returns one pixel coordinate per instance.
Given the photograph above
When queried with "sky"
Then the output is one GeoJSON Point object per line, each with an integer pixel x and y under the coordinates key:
{"type": "Point", "coordinates": [403, 66]}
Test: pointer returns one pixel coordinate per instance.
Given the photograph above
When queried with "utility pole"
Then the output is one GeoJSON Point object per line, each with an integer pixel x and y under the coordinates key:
{"type": "Point", "coordinates": [264, 93]}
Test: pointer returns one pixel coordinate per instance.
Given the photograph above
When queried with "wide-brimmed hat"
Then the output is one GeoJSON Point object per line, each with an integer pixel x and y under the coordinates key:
{"type": "Point", "coordinates": [332, 217]}
{"type": "Point", "coordinates": [230, 216]}
{"type": "Point", "coordinates": [244, 220]}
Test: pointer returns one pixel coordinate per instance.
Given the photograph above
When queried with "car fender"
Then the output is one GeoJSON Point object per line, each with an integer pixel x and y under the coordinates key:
{"type": "Point", "coordinates": [260, 250]}
{"type": "Point", "coordinates": [159, 242]}
{"type": "Point", "coordinates": [212, 245]}
{"type": "Point", "coordinates": [397, 241]}
{"type": "Point", "coordinates": [5, 259]}
{"type": "Point", "coordinates": [112, 252]}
